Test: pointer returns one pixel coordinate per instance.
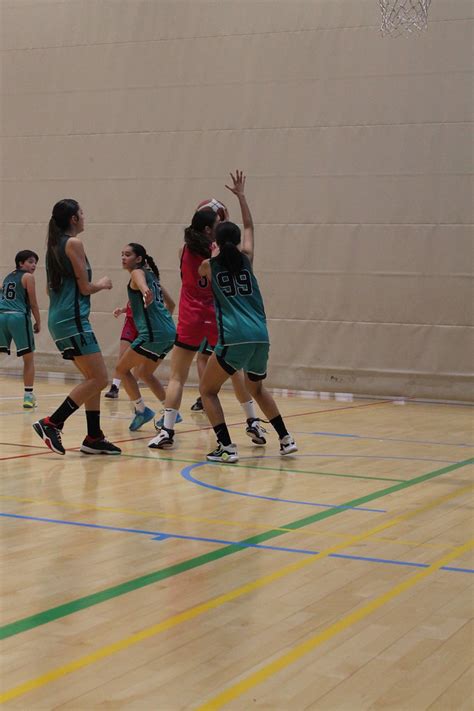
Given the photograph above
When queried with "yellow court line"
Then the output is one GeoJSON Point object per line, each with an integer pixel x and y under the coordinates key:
{"type": "Point", "coordinates": [211, 521]}
{"type": "Point", "coordinates": [193, 612]}
{"type": "Point", "coordinates": [233, 692]}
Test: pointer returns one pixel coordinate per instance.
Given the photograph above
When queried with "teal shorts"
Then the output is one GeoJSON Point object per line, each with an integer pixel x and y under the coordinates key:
{"type": "Point", "coordinates": [16, 326]}
{"type": "Point", "coordinates": [153, 350]}
{"type": "Point", "coordinates": [80, 344]}
{"type": "Point", "coordinates": [205, 348]}
{"type": "Point", "coordinates": [252, 358]}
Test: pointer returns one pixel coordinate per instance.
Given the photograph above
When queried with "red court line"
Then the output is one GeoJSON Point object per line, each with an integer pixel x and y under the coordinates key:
{"type": "Point", "coordinates": [199, 429]}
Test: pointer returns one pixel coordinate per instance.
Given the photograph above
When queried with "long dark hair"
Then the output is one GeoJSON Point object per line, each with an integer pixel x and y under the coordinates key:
{"type": "Point", "coordinates": [194, 236]}
{"type": "Point", "coordinates": [60, 220]}
{"type": "Point", "coordinates": [227, 236]}
{"type": "Point", "coordinates": [140, 251]}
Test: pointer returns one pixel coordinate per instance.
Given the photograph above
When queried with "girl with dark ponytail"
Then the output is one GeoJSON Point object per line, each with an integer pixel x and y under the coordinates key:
{"type": "Point", "coordinates": [151, 307]}
{"type": "Point", "coordinates": [69, 279]}
{"type": "Point", "coordinates": [197, 330]}
{"type": "Point", "coordinates": [243, 335]}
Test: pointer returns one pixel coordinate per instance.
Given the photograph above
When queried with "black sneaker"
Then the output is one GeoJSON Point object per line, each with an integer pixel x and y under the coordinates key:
{"type": "Point", "coordinates": [101, 445]}
{"type": "Point", "coordinates": [256, 432]}
{"type": "Point", "coordinates": [224, 453]}
{"type": "Point", "coordinates": [198, 406]}
{"type": "Point", "coordinates": [113, 392]}
{"type": "Point", "coordinates": [50, 434]}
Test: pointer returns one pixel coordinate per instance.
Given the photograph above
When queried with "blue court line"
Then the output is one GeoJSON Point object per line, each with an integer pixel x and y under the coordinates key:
{"type": "Point", "coordinates": [384, 439]}
{"type": "Point", "coordinates": [186, 474]}
{"type": "Point", "coordinates": [161, 536]}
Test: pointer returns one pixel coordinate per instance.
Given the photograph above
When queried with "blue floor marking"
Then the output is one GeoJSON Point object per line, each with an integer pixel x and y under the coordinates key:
{"type": "Point", "coordinates": [186, 474]}
{"type": "Point", "coordinates": [384, 439]}
{"type": "Point", "coordinates": [161, 536]}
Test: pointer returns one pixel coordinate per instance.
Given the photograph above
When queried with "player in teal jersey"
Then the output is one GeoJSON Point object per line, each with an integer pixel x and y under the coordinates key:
{"type": "Point", "coordinates": [151, 308]}
{"type": "Point", "coordinates": [69, 288]}
{"type": "Point", "coordinates": [17, 302]}
{"type": "Point", "coordinates": [243, 336]}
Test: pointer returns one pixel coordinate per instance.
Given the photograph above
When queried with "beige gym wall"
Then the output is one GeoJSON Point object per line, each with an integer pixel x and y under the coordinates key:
{"type": "Point", "coordinates": [357, 150]}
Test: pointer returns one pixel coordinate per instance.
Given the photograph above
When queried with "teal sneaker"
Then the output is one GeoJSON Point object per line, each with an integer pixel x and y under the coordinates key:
{"type": "Point", "coordinates": [29, 401]}
{"type": "Point", "coordinates": [141, 418]}
{"type": "Point", "coordinates": [159, 424]}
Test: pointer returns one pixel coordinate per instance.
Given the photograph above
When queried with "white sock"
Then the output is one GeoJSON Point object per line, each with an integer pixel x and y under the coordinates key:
{"type": "Point", "coordinates": [170, 418]}
{"type": "Point", "coordinates": [139, 405]}
{"type": "Point", "coordinates": [116, 382]}
{"type": "Point", "coordinates": [249, 409]}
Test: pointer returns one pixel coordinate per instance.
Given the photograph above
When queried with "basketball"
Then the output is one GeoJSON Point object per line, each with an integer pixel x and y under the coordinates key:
{"type": "Point", "coordinates": [215, 205]}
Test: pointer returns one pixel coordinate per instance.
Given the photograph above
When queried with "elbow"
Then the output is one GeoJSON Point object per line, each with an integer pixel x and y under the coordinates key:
{"type": "Point", "coordinates": [84, 290]}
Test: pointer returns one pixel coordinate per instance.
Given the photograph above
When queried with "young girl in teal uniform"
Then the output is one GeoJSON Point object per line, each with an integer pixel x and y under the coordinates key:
{"type": "Point", "coordinates": [70, 287]}
{"type": "Point", "coordinates": [151, 306]}
{"type": "Point", "coordinates": [243, 335]}
{"type": "Point", "coordinates": [17, 303]}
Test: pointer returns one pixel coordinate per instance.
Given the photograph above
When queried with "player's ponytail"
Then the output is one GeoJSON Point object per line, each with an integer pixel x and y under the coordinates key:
{"type": "Point", "coordinates": [227, 236]}
{"type": "Point", "coordinates": [196, 238]}
{"type": "Point", "coordinates": [60, 220]}
{"type": "Point", "coordinates": [152, 264]}
{"type": "Point", "coordinates": [147, 261]}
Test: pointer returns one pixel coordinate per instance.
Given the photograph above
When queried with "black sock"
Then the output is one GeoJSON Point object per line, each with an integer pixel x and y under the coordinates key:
{"type": "Point", "coordinates": [93, 424]}
{"type": "Point", "coordinates": [28, 389]}
{"type": "Point", "coordinates": [279, 425]}
{"type": "Point", "coordinates": [64, 411]}
{"type": "Point", "coordinates": [222, 434]}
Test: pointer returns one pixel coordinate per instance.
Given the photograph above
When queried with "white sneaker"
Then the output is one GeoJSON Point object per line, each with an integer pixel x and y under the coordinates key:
{"type": "Point", "coordinates": [287, 445]}
{"type": "Point", "coordinates": [163, 440]}
{"type": "Point", "coordinates": [256, 432]}
{"type": "Point", "coordinates": [224, 454]}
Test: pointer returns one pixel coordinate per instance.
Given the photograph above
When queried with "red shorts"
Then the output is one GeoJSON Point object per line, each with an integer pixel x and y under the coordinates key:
{"type": "Point", "coordinates": [129, 331]}
{"type": "Point", "coordinates": [190, 336]}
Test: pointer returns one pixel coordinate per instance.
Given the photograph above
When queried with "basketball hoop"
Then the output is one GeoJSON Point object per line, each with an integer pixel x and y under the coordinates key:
{"type": "Point", "coordinates": [403, 17]}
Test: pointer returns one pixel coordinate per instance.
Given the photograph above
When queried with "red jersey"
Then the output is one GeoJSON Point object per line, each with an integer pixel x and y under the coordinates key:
{"type": "Point", "coordinates": [196, 315]}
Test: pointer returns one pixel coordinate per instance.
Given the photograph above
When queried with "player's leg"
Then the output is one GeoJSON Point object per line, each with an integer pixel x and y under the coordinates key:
{"type": "Point", "coordinates": [254, 429]}
{"type": "Point", "coordinates": [131, 359]}
{"type": "Point", "coordinates": [216, 373]}
{"type": "Point", "coordinates": [29, 399]}
{"type": "Point", "coordinates": [181, 359]}
{"type": "Point", "coordinates": [113, 392]}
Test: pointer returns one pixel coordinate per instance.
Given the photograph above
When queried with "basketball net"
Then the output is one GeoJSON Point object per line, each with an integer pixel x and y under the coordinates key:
{"type": "Point", "coordinates": [403, 17]}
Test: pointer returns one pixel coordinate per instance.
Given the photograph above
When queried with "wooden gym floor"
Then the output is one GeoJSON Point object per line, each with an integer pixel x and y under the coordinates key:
{"type": "Point", "coordinates": [337, 579]}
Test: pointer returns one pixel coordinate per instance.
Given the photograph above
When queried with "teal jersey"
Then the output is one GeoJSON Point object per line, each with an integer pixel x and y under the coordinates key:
{"type": "Point", "coordinates": [68, 309]}
{"type": "Point", "coordinates": [14, 297]}
{"type": "Point", "coordinates": [239, 305]}
{"type": "Point", "coordinates": [153, 323]}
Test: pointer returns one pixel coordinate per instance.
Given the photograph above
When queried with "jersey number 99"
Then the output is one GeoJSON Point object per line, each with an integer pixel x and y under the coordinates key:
{"type": "Point", "coordinates": [233, 284]}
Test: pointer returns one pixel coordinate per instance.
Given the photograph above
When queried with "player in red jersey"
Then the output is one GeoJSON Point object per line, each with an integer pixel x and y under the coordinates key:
{"type": "Point", "coordinates": [197, 324]}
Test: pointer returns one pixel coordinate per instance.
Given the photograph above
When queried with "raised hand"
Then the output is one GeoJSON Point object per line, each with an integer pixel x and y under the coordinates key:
{"type": "Point", "coordinates": [238, 181]}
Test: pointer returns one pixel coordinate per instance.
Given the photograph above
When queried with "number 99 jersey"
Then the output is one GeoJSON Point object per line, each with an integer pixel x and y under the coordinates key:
{"type": "Point", "coordinates": [239, 305]}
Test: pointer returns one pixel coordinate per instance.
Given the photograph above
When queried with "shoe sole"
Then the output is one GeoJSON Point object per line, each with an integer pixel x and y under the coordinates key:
{"type": "Point", "coordinates": [111, 397]}
{"type": "Point", "coordinates": [166, 445]}
{"type": "Point", "coordinates": [289, 451]}
{"type": "Point", "coordinates": [29, 407]}
{"type": "Point", "coordinates": [41, 433]}
{"type": "Point", "coordinates": [230, 460]}
{"type": "Point", "coordinates": [88, 450]}
{"type": "Point", "coordinates": [260, 442]}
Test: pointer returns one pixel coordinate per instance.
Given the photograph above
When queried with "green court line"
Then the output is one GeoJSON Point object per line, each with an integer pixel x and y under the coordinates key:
{"type": "Point", "coordinates": [68, 608]}
{"type": "Point", "coordinates": [268, 469]}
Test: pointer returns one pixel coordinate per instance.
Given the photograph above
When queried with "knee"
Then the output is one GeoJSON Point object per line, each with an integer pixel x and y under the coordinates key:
{"type": "Point", "coordinates": [102, 381]}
